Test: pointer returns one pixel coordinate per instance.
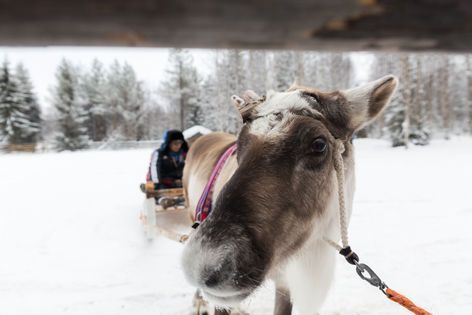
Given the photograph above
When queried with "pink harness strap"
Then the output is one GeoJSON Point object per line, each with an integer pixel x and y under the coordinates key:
{"type": "Point", "coordinates": [204, 204]}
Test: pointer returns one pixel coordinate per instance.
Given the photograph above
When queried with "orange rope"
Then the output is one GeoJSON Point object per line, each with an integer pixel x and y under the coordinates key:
{"type": "Point", "coordinates": [405, 302]}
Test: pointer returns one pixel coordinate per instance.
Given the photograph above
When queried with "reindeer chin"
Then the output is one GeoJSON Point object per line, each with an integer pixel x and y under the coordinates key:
{"type": "Point", "coordinates": [226, 300]}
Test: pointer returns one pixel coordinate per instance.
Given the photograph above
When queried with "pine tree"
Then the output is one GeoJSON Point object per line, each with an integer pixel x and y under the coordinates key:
{"type": "Point", "coordinates": [133, 97]}
{"type": "Point", "coordinates": [443, 94]}
{"type": "Point", "coordinates": [15, 124]}
{"type": "Point", "coordinates": [209, 96]}
{"type": "Point", "coordinates": [284, 70]}
{"type": "Point", "coordinates": [382, 65]}
{"type": "Point", "coordinates": [313, 69]}
{"type": "Point", "coordinates": [428, 89]}
{"type": "Point", "coordinates": [32, 132]}
{"type": "Point", "coordinates": [469, 89]}
{"type": "Point", "coordinates": [299, 67]}
{"type": "Point", "coordinates": [397, 117]}
{"type": "Point", "coordinates": [419, 132]}
{"type": "Point", "coordinates": [229, 79]}
{"type": "Point", "coordinates": [72, 116]}
{"type": "Point", "coordinates": [459, 94]}
{"type": "Point", "coordinates": [340, 71]}
{"type": "Point", "coordinates": [328, 71]}
{"type": "Point", "coordinates": [181, 89]}
{"type": "Point", "coordinates": [93, 90]}
{"type": "Point", "coordinates": [234, 67]}
{"type": "Point", "coordinates": [257, 71]}
{"type": "Point", "coordinates": [126, 99]}
{"type": "Point", "coordinates": [114, 107]}
{"type": "Point", "coordinates": [407, 119]}
{"type": "Point", "coordinates": [195, 114]}
{"type": "Point", "coordinates": [155, 119]}
{"type": "Point", "coordinates": [396, 122]}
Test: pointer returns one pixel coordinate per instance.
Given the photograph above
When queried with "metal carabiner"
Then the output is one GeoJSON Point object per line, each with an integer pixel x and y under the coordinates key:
{"type": "Point", "coordinates": [372, 277]}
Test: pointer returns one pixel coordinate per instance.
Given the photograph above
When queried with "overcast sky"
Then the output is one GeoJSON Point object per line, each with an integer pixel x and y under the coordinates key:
{"type": "Point", "coordinates": [42, 62]}
{"type": "Point", "coordinates": [149, 63]}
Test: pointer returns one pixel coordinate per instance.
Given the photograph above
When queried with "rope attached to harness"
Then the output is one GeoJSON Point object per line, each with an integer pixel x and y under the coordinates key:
{"type": "Point", "coordinates": [345, 249]}
{"type": "Point", "coordinates": [363, 270]}
{"type": "Point", "coordinates": [405, 302]}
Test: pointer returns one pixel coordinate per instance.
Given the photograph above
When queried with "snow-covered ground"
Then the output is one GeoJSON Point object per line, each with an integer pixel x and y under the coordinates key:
{"type": "Point", "coordinates": [71, 241]}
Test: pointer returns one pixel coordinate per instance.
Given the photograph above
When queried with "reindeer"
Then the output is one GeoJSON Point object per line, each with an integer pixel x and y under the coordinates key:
{"type": "Point", "coordinates": [276, 198]}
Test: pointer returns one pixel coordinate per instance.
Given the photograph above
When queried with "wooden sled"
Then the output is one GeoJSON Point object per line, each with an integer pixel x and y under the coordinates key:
{"type": "Point", "coordinates": [164, 213]}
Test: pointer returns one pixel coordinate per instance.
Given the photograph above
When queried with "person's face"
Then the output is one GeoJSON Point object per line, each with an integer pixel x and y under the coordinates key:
{"type": "Point", "coordinates": [175, 145]}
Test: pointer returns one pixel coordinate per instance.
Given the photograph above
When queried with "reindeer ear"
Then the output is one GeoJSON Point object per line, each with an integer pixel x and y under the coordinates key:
{"type": "Point", "coordinates": [366, 102]}
{"type": "Point", "coordinates": [246, 103]}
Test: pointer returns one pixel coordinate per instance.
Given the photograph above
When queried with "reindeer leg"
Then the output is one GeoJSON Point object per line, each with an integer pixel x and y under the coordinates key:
{"type": "Point", "coordinates": [200, 306]}
{"type": "Point", "coordinates": [283, 304]}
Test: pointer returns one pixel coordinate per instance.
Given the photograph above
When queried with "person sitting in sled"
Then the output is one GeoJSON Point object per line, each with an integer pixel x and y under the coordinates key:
{"type": "Point", "coordinates": [167, 162]}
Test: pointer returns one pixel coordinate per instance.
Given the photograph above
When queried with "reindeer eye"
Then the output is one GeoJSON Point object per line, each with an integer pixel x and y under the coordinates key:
{"type": "Point", "coordinates": [319, 145]}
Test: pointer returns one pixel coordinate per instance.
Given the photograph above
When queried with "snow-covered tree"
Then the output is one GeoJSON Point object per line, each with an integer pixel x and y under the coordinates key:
{"type": "Point", "coordinates": [230, 78]}
{"type": "Point", "coordinates": [72, 115]}
{"type": "Point", "coordinates": [328, 71]}
{"type": "Point", "coordinates": [383, 64]}
{"type": "Point", "coordinates": [284, 68]}
{"type": "Point", "coordinates": [195, 114]}
{"type": "Point", "coordinates": [212, 110]}
{"type": "Point", "coordinates": [181, 89]}
{"type": "Point", "coordinates": [340, 70]}
{"type": "Point", "coordinates": [299, 67]}
{"type": "Point", "coordinates": [428, 97]}
{"type": "Point", "coordinates": [406, 119]}
{"type": "Point", "coordinates": [443, 94]}
{"type": "Point", "coordinates": [419, 132]}
{"type": "Point", "coordinates": [458, 101]}
{"type": "Point", "coordinates": [468, 89]}
{"type": "Point", "coordinates": [124, 103]}
{"type": "Point", "coordinates": [155, 120]}
{"type": "Point", "coordinates": [32, 131]}
{"type": "Point", "coordinates": [397, 116]}
{"type": "Point", "coordinates": [125, 99]}
{"type": "Point", "coordinates": [93, 87]}
{"type": "Point", "coordinates": [397, 122]}
{"type": "Point", "coordinates": [257, 71]}
{"type": "Point", "coordinates": [114, 109]}
{"type": "Point", "coordinates": [16, 126]}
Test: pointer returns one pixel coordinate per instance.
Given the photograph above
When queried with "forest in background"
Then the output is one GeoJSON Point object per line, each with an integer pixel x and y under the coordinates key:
{"type": "Point", "coordinates": [98, 103]}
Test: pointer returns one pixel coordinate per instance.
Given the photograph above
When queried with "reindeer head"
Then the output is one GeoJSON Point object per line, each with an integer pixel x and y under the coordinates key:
{"type": "Point", "coordinates": [281, 195]}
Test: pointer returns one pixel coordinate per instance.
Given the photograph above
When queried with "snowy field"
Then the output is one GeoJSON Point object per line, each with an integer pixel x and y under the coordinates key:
{"type": "Point", "coordinates": [71, 241]}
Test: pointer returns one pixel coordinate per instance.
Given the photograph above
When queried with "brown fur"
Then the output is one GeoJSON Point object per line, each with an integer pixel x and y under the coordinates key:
{"type": "Point", "coordinates": [201, 159]}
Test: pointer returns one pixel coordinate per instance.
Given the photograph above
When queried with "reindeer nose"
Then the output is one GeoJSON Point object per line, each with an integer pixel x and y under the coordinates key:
{"type": "Point", "coordinates": [208, 267]}
{"type": "Point", "coordinates": [222, 267]}
{"type": "Point", "coordinates": [218, 272]}
{"type": "Point", "coordinates": [214, 278]}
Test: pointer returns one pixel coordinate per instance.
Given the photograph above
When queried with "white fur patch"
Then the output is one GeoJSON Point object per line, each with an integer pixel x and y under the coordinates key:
{"type": "Point", "coordinates": [269, 121]}
{"type": "Point", "coordinates": [310, 273]}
